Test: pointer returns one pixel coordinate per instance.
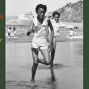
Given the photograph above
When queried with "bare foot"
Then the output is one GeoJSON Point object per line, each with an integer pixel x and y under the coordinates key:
{"type": "Point", "coordinates": [33, 83]}
{"type": "Point", "coordinates": [53, 78]}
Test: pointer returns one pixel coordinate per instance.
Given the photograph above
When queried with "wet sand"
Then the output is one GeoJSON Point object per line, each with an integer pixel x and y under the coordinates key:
{"type": "Point", "coordinates": [68, 67]}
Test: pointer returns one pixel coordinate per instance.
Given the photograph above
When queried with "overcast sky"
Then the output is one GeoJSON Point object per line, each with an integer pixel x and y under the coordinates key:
{"type": "Point", "coordinates": [18, 7]}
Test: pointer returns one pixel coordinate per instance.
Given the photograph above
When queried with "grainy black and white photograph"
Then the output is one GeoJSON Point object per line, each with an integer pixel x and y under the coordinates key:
{"type": "Point", "coordinates": [44, 44]}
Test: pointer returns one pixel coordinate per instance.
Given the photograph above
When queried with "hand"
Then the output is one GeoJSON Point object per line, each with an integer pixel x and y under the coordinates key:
{"type": "Point", "coordinates": [28, 33]}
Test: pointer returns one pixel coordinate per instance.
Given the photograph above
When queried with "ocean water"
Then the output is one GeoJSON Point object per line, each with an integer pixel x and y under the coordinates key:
{"type": "Point", "coordinates": [68, 67]}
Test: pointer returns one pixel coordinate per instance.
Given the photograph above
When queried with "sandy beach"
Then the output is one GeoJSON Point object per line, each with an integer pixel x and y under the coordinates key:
{"type": "Point", "coordinates": [68, 67]}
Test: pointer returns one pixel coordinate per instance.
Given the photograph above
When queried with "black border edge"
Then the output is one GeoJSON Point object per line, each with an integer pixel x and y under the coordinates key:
{"type": "Point", "coordinates": [86, 45]}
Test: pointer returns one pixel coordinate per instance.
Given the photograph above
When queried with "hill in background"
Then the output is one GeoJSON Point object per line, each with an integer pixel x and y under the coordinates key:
{"type": "Point", "coordinates": [72, 12]}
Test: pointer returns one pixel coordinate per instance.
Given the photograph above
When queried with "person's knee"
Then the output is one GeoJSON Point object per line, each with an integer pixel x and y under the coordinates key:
{"type": "Point", "coordinates": [48, 61]}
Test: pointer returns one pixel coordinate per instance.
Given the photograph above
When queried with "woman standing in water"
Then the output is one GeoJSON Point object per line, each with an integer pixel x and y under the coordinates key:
{"type": "Point", "coordinates": [41, 42]}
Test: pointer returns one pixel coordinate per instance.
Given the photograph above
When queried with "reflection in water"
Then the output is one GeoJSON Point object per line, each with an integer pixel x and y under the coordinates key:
{"type": "Point", "coordinates": [35, 87]}
{"type": "Point", "coordinates": [48, 84]}
{"type": "Point", "coordinates": [55, 66]}
{"type": "Point", "coordinates": [68, 66]}
{"type": "Point", "coordinates": [53, 85]}
{"type": "Point", "coordinates": [52, 74]}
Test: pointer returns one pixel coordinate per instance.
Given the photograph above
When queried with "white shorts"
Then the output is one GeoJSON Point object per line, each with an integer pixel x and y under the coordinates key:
{"type": "Point", "coordinates": [40, 46]}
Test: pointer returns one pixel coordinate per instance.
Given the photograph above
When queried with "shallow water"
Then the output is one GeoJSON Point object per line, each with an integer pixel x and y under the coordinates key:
{"type": "Point", "coordinates": [68, 67]}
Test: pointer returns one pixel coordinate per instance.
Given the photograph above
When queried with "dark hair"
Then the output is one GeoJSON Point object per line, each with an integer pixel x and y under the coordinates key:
{"type": "Point", "coordinates": [54, 13]}
{"type": "Point", "coordinates": [41, 6]}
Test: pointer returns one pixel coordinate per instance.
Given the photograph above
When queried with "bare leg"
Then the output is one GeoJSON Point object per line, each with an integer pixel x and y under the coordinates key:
{"type": "Point", "coordinates": [52, 59]}
{"type": "Point", "coordinates": [52, 74]}
{"type": "Point", "coordinates": [53, 52]}
{"type": "Point", "coordinates": [46, 57]}
{"type": "Point", "coordinates": [46, 60]}
{"type": "Point", "coordinates": [35, 64]}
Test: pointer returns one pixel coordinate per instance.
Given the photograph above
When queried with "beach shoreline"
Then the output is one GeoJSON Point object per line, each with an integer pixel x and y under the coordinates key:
{"type": "Point", "coordinates": [68, 66]}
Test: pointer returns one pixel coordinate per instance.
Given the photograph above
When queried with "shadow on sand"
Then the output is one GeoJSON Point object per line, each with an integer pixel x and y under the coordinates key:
{"type": "Point", "coordinates": [49, 83]}
{"type": "Point", "coordinates": [41, 66]}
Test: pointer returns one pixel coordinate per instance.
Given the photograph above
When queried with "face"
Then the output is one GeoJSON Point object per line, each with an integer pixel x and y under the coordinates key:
{"type": "Point", "coordinates": [56, 17]}
{"type": "Point", "coordinates": [41, 13]}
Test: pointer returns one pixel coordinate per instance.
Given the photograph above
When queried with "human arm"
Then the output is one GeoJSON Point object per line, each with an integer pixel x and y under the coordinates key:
{"type": "Point", "coordinates": [51, 32]}
{"type": "Point", "coordinates": [31, 28]}
{"type": "Point", "coordinates": [62, 25]}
